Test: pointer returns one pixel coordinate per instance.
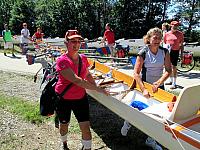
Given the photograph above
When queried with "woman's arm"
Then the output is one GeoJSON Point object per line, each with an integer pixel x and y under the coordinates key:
{"type": "Point", "coordinates": [166, 74]}
{"type": "Point", "coordinates": [68, 74]}
{"type": "Point", "coordinates": [136, 75]}
{"type": "Point", "coordinates": [90, 78]}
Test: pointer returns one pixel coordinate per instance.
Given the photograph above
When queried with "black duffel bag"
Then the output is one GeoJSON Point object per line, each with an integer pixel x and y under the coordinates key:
{"type": "Point", "coordinates": [48, 98]}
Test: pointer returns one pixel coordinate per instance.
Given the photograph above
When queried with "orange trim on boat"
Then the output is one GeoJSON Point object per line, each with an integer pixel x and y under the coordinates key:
{"type": "Point", "coordinates": [188, 124]}
{"type": "Point", "coordinates": [101, 67]}
{"type": "Point", "coordinates": [160, 95]}
{"type": "Point", "coordinates": [123, 77]}
{"type": "Point", "coordinates": [183, 137]}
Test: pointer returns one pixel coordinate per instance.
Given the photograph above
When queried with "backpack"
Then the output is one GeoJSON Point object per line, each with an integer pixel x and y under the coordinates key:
{"type": "Point", "coordinates": [120, 53]}
{"type": "Point", "coordinates": [49, 97]}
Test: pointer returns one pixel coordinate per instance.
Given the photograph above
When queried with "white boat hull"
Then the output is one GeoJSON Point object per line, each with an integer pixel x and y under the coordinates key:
{"type": "Point", "coordinates": [145, 123]}
{"type": "Point", "coordinates": [179, 135]}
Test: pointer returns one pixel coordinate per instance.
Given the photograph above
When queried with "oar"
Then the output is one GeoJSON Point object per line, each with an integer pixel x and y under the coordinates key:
{"type": "Point", "coordinates": [103, 85]}
{"type": "Point", "coordinates": [121, 92]}
{"type": "Point", "coordinates": [106, 82]}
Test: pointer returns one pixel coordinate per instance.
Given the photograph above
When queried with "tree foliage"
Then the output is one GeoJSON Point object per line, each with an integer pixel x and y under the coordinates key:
{"type": "Point", "coordinates": [22, 11]}
{"type": "Point", "coordinates": [5, 8]}
{"type": "Point", "coordinates": [129, 18]}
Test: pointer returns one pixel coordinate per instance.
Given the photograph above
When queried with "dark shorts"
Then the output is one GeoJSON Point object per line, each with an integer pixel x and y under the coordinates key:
{"type": "Point", "coordinates": [79, 107]}
{"type": "Point", "coordinates": [174, 54]}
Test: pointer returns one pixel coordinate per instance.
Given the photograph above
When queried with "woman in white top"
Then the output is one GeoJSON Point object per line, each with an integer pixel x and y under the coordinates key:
{"type": "Point", "coordinates": [150, 62]}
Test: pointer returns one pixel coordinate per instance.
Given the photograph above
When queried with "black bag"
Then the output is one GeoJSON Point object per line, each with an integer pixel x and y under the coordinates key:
{"type": "Point", "coordinates": [49, 97]}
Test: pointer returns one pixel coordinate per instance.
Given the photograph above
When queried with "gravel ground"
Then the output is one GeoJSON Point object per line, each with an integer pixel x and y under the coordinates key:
{"type": "Point", "coordinates": [18, 134]}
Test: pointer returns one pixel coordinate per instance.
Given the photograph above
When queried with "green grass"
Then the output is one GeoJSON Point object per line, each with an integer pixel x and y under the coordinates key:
{"type": "Point", "coordinates": [29, 111]}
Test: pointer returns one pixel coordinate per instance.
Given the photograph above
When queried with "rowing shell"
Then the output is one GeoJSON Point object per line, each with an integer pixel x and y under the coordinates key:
{"type": "Point", "coordinates": [176, 130]}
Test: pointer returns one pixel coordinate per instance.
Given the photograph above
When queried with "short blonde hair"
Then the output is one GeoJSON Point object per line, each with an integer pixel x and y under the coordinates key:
{"type": "Point", "coordinates": [147, 37]}
{"type": "Point", "coordinates": [166, 25]}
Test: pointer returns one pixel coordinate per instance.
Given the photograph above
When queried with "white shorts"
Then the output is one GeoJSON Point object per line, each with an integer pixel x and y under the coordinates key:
{"type": "Point", "coordinates": [8, 45]}
{"type": "Point", "coordinates": [112, 49]}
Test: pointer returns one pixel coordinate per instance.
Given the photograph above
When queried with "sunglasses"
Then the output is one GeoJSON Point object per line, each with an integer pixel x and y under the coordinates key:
{"type": "Point", "coordinates": [24, 25]}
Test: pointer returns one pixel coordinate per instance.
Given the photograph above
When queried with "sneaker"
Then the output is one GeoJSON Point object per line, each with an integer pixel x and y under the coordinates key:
{"type": "Point", "coordinates": [152, 143]}
{"type": "Point", "coordinates": [125, 128]}
{"type": "Point", "coordinates": [168, 83]}
{"type": "Point", "coordinates": [173, 87]}
{"type": "Point", "coordinates": [65, 147]}
{"type": "Point", "coordinates": [4, 54]}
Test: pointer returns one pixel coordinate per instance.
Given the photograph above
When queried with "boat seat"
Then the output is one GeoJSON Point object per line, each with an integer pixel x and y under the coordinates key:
{"type": "Point", "coordinates": [186, 106]}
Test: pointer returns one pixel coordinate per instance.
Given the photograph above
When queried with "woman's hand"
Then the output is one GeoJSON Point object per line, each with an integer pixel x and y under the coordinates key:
{"type": "Point", "coordinates": [101, 90]}
{"type": "Point", "coordinates": [146, 93]}
{"type": "Point", "coordinates": [170, 106]}
{"type": "Point", "coordinates": [155, 86]}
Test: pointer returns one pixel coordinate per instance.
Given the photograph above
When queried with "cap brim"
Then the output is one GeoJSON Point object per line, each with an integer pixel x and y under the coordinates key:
{"type": "Point", "coordinates": [174, 23]}
{"type": "Point", "coordinates": [75, 36]}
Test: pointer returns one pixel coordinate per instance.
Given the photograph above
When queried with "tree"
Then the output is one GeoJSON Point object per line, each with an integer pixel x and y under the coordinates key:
{"type": "Point", "coordinates": [131, 18]}
{"type": "Point", "coordinates": [44, 11]}
{"type": "Point", "coordinates": [88, 19]}
{"type": "Point", "coordinates": [5, 9]}
{"type": "Point", "coordinates": [22, 11]}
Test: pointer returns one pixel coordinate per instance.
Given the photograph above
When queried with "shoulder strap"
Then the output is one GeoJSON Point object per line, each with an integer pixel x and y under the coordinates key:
{"type": "Point", "coordinates": [69, 85]}
{"type": "Point", "coordinates": [143, 52]}
{"type": "Point", "coordinates": [164, 49]}
{"type": "Point", "coordinates": [79, 65]}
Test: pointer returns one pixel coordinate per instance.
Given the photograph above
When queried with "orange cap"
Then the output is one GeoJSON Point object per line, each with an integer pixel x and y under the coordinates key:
{"type": "Point", "coordinates": [175, 23]}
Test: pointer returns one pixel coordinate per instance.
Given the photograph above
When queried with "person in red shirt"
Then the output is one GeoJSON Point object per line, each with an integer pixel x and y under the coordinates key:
{"type": "Point", "coordinates": [174, 38]}
{"type": "Point", "coordinates": [37, 36]}
{"type": "Point", "coordinates": [109, 36]}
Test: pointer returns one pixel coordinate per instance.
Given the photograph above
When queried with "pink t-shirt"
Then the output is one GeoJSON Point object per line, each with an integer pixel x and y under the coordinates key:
{"type": "Point", "coordinates": [110, 36]}
{"type": "Point", "coordinates": [174, 39]}
{"type": "Point", "coordinates": [75, 92]}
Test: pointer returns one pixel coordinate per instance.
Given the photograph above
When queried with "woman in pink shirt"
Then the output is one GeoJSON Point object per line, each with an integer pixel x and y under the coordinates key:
{"type": "Point", "coordinates": [175, 39]}
{"type": "Point", "coordinates": [75, 98]}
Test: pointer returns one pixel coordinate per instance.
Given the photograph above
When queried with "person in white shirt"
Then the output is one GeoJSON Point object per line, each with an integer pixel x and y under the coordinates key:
{"type": "Point", "coordinates": [25, 37]}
